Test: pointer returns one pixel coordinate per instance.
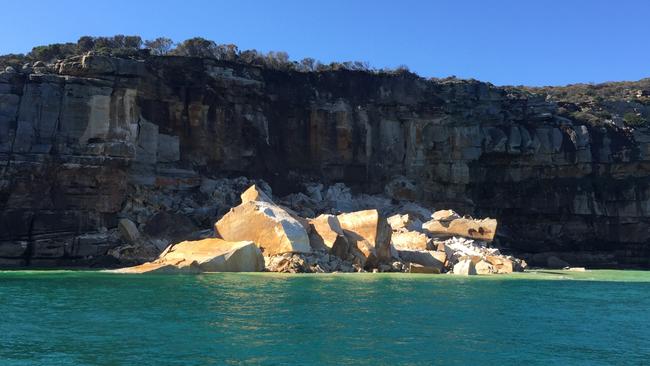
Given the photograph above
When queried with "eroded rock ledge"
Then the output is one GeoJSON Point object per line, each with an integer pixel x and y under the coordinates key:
{"type": "Point", "coordinates": [86, 143]}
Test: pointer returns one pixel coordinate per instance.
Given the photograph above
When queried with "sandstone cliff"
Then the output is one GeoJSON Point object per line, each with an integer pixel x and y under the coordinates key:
{"type": "Point", "coordinates": [84, 141]}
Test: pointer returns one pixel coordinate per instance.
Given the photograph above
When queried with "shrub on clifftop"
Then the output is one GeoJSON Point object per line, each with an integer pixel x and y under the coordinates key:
{"type": "Point", "coordinates": [52, 52]}
{"type": "Point", "coordinates": [195, 47]}
{"type": "Point", "coordinates": [634, 119]}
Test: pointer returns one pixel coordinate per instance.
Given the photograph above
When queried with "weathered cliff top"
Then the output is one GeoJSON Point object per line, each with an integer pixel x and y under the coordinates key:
{"type": "Point", "coordinates": [622, 104]}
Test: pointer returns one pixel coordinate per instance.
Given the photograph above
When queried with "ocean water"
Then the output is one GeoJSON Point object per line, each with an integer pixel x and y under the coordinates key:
{"type": "Point", "coordinates": [544, 318]}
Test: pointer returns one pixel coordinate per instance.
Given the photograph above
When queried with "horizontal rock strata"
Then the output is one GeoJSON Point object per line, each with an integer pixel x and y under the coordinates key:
{"type": "Point", "coordinates": [87, 142]}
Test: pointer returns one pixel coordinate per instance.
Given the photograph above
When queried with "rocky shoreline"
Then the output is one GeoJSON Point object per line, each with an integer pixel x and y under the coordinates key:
{"type": "Point", "coordinates": [260, 235]}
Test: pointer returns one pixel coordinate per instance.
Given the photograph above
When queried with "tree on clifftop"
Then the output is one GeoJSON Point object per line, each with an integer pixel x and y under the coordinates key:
{"type": "Point", "coordinates": [159, 46]}
{"type": "Point", "coordinates": [86, 43]}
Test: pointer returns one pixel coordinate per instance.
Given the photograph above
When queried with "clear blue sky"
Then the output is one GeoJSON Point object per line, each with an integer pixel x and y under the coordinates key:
{"type": "Point", "coordinates": [529, 42]}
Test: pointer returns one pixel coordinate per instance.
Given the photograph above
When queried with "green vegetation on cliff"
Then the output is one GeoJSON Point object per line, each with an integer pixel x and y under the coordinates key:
{"type": "Point", "coordinates": [624, 103]}
{"type": "Point", "coordinates": [134, 47]}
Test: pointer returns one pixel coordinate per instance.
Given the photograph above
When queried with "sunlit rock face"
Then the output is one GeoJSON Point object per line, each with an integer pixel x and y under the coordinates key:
{"type": "Point", "coordinates": [267, 225]}
{"type": "Point", "coordinates": [368, 234]}
{"type": "Point", "coordinates": [484, 229]}
{"type": "Point", "coordinates": [82, 143]}
{"type": "Point", "coordinates": [207, 255]}
{"type": "Point", "coordinates": [327, 234]}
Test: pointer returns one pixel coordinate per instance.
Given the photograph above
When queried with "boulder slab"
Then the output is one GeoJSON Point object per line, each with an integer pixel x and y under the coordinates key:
{"type": "Point", "coordinates": [427, 258]}
{"type": "Point", "coordinates": [410, 240]}
{"type": "Point", "coordinates": [326, 233]}
{"type": "Point", "coordinates": [128, 230]}
{"type": "Point", "coordinates": [445, 215]}
{"type": "Point", "coordinates": [418, 268]}
{"type": "Point", "coordinates": [404, 222]}
{"type": "Point", "coordinates": [483, 268]}
{"type": "Point", "coordinates": [500, 264]}
{"type": "Point", "coordinates": [207, 255]}
{"type": "Point", "coordinates": [469, 228]}
{"type": "Point", "coordinates": [269, 226]}
{"type": "Point", "coordinates": [465, 267]}
{"type": "Point", "coordinates": [368, 234]}
{"type": "Point", "coordinates": [254, 193]}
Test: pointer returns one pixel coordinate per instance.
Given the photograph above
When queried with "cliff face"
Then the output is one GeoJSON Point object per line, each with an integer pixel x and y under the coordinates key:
{"type": "Point", "coordinates": [81, 141]}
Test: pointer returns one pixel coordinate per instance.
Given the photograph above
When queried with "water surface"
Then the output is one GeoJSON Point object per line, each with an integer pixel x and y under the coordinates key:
{"type": "Point", "coordinates": [544, 318]}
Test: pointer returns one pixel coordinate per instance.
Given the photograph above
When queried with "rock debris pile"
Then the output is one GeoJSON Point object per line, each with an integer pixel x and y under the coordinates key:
{"type": "Point", "coordinates": [326, 230]}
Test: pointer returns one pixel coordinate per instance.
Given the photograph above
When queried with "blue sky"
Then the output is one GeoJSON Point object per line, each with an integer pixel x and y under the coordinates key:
{"type": "Point", "coordinates": [511, 42]}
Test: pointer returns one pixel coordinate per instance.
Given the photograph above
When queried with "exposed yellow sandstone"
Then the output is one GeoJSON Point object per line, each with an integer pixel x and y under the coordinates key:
{"type": "Point", "coordinates": [445, 215]}
{"type": "Point", "coordinates": [469, 228]}
{"type": "Point", "coordinates": [418, 268]}
{"type": "Point", "coordinates": [368, 234]}
{"type": "Point", "coordinates": [269, 226]}
{"type": "Point", "coordinates": [483, 268]}
{"type": "Point", "coordinates": [253, 193]}
{"type": "Point", "coordinates": [500, 264]}
{"type": "Point", "coordinates": [207, 255]}
{"type": "Point", "coordinates": [427, 258]}
{"type": "Point", "coordinates": [326, 233]}
{"type": "Point", "coordinates": [410, 240]}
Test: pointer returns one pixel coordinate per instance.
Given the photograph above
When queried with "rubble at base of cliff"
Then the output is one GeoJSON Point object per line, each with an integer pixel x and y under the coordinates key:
{"type": "Point", "coordinates": [320, 230]}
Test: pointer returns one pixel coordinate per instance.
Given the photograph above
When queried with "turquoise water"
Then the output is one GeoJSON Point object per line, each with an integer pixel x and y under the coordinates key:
{"type": "Point", "coordinates": [546, 318]}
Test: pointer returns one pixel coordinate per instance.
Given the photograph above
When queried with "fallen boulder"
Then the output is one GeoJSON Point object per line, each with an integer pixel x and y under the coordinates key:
{"type": "Point", "coordinates": [500, 264]}
{"type": "Point", "coordinates": [368, 234]}
{"type": "Point", "coordinates": [128, 230]}
{"type": "Point", "coordinates": [469, 228]}
{"type": "Point", "coordinates": [417, 268]}
{"type": "Point", "coordinates": [457, 247]}
{"type": "Point", "coordinates": [327, 234]}
{"type": "Point", "coordinates": [483, 268]}
{"type": "Point", "coordinates": [404, 222]}
{"type": "Point", "coordinates": [207, 255]}
{"type": "Point", "coordinates": [410, 240]}
{"type": "Point", "coordinates": [577, 269]}
{"type": "Point", "coordinates": [427, 258]}
{"type": "Point", "coordinates": [254, 193]}
{"type": "Point", "coordinates": [269, 226]}
{"type": "Point", "coordinates": [445, 215]}
{"type": "Point", "coordinates": [465, 267]}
